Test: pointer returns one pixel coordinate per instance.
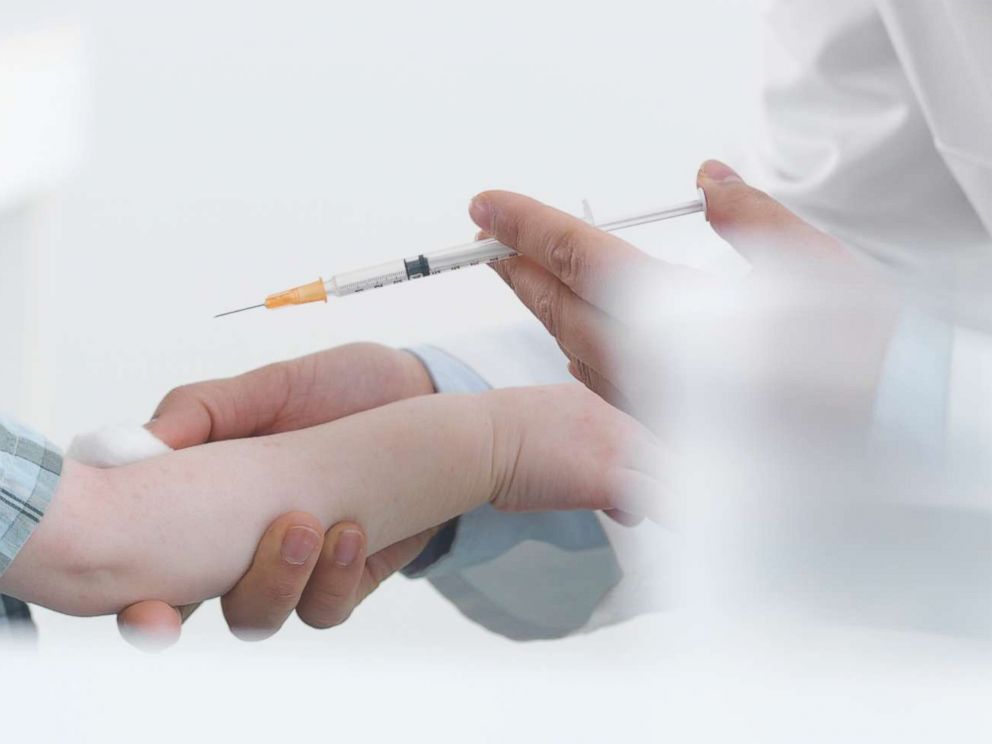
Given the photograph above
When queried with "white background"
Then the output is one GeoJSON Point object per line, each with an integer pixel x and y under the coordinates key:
{"type": "Point", "coordinates": [232, 149]}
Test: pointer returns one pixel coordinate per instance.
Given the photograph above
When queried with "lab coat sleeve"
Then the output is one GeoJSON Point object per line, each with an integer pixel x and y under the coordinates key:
{"type": "Point", "coordinates": [852, 147]}
{"type": "Point", "coordinates": [848, 146]}
{"type": "Point", "coordinates": [533, 576]}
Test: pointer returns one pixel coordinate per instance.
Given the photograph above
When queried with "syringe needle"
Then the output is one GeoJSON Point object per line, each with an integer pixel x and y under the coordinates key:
{"type": "Point", "coordinates": [312, 292]}
{"type": "Point", "coordinates": [239, 310]}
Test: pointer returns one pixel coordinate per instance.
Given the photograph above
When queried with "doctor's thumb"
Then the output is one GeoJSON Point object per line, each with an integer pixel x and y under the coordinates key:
{"type": "Point", "coordinates": [754, 223]}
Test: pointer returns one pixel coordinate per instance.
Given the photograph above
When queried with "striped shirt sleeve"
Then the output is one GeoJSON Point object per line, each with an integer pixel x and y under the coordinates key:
{"type": "Point", "coordinates": [30, 467]}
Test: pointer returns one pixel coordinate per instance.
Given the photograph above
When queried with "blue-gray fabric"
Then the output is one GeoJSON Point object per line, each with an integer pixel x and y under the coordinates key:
{"type": "Point", "coordinates": [30, 467]}
{"type": "Point", "coordinates": [524, 576]}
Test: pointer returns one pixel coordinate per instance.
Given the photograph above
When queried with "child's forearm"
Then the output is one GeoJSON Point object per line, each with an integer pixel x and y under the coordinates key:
{"type": "Point", "coordinates": [183, 527]}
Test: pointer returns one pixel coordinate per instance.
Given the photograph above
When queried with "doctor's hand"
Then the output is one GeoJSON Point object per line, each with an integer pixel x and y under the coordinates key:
{"type": "Point", "coordinates": [574, 277]}
{"type": "Point", "coordinates": [323, 577]}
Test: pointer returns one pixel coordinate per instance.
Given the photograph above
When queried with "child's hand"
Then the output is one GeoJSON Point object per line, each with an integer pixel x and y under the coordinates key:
{"type": "Point", "coordinates": [562, 447]}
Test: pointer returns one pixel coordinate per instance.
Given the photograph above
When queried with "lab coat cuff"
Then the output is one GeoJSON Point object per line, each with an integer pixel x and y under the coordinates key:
{"type": "Point", "coordinates": [911, 401]}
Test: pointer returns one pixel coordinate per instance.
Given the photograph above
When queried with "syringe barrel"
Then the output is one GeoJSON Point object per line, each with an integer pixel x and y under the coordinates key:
{"type": "Point", "coordinates": [468, 254]}
{"type": "Point", "coordinates": [394, 272]}
{"type": "Point", "coordinates": [370, 277]}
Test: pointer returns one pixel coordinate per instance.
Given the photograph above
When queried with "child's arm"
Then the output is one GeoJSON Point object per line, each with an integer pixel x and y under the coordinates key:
{"type": "Point", "coordinates": [183, 527]}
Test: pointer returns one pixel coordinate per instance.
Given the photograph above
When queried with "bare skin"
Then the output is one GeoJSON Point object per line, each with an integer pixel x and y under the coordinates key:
{"type": "Point", "coordinates": [296, 567]}
{"type": "Point", "coordinates": [568, 275]}
{"type": "Point", "coordinates": [183, 527]}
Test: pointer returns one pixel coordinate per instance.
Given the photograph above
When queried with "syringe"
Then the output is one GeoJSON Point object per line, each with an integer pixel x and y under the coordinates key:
{"type": "Point", "coordinates": [467, 254]}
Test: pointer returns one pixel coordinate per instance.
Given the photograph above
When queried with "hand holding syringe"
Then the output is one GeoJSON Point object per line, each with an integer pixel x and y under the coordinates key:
{"type": "Point", "coordinates": [468, 254]}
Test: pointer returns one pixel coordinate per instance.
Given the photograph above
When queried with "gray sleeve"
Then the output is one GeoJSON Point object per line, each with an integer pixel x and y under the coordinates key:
{"type": "Point", "coordinates": [524, 576]}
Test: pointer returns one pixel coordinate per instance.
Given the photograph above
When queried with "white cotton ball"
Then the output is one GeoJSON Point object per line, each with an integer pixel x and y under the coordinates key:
{"type": "Point", "coordinates": [118, 444]}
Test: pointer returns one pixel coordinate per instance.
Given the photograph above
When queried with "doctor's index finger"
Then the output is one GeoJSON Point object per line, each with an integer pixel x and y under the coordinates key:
{"type": "Point", "coordinates": [584, 258]}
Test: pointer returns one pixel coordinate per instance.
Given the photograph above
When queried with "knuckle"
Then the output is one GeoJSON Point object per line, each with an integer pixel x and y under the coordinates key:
{"type": "Point", "coordinates": [506, 271]}
{"type": "Point", "coordinates": [176, 396]}
{"type": "Point", "coordinates": [326, 605]}
{"type": "Point", "coordinates": [282, 590]}
{"type": "Point", "coordinates": [567, 353]}
{"type": "Point", "coordinates": [378, 569]}
{"type": "Point", "coordinates": [582, 372]}
{"type": "Point", "coordinates": [287, 383]}
{"type": "Point", "coordinates": [547, 306]}
{"type": "Point", "coordinates": [564, 254]}
{"type": "Point", "coordinates": [327, 613]}
{"type": "Point", "coordinates": [506, 224]}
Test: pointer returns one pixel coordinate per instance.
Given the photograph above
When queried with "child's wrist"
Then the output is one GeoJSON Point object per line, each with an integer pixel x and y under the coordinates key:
{"type": "Point", "coordinates": [503, 441]}
{"type": "Point", "coordinates": [70, 563]}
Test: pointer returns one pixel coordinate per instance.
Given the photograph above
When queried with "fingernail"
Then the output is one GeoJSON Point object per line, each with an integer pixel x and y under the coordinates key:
{"type": "Point", "coordinates": [298, 545]}
{"type": "Point", "coordinates": [481, 212]}
{"type": "Point", "coordinates": [347, 547]}
{"type": "Point", "coordinates": [714, 170]}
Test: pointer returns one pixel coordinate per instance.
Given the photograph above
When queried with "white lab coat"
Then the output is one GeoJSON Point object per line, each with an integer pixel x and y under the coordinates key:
{"type": "Point", "coordinates": [880, 132]}
{"type": "Point", "coordinates": [879, 122]}
{"type": "Point", "coordinates": [879, 117]}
